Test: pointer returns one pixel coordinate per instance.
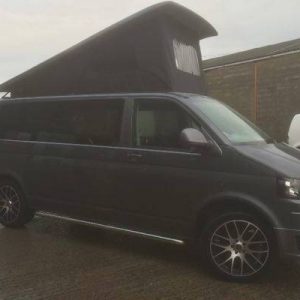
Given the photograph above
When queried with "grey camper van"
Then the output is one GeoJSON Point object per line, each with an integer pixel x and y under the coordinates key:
{"type": "Point", "coordinates": [174, 166]}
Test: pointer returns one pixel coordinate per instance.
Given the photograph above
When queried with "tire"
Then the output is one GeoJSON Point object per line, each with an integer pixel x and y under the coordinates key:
{"type": "Point", "coordinates": [14, 209]}
{"type": "Point", "coordinates": [238, 246]}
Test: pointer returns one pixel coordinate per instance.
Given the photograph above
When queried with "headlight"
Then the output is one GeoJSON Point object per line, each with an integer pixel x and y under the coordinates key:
{"type": "Point", "coordinates": [289, 188]}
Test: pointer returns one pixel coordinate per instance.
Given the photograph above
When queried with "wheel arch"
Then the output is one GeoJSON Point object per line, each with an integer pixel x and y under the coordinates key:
{"type": "Point", "coordinates": [231, 201]}
{"type": "Point", "coordinates": [12, 177]}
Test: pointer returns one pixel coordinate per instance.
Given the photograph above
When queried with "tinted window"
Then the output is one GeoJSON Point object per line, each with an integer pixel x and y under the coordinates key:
{"type": "Point", "coordinates": [158, 123]}
{"type": "Point", "coordinates": [12, 122]}
{"type": "Point", "coordinates": [99, 123]}
{"type": "Point", "coordinates": [81, 122]}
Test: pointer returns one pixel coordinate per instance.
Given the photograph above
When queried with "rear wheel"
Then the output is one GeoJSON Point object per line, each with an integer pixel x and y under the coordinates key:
{"type": "Point", "coordinates": [14, 209]}
{"type": "Point", "coordinates": [238, 246]}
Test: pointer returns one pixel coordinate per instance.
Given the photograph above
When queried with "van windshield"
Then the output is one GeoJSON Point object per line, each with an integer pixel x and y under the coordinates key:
{"type": "Point", "coordinates": [230, 123]}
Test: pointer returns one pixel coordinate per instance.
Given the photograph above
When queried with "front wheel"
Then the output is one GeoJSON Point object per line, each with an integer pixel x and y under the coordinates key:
{"type": "Point", "coordinates": [14, 209]}
{"type": "Point", "coordinates": [238, 246]}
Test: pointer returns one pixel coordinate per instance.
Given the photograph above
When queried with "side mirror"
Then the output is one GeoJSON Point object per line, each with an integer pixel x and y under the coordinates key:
{"type": "Point", "coordinates": [193, 138]}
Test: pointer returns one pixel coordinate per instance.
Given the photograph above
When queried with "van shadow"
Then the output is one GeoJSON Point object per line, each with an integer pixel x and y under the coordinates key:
{"type": "Point", "coordinates": [181, 257]}
{"type": "Point", "coordinates": [134, 245]}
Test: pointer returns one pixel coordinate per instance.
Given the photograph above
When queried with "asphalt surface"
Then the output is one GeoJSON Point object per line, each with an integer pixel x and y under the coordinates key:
{"type": "Point", "coordinates": [51, 259]}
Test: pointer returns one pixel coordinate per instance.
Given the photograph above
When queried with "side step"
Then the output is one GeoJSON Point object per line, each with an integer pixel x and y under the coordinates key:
{"type": "Point", "coordinates": [110, 227]}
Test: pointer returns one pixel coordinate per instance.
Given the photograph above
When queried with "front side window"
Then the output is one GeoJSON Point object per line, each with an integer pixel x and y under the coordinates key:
{"type": "Point", "coordinates": [234, 127]}
{"type": "Point", "coordinates": [158, 123]}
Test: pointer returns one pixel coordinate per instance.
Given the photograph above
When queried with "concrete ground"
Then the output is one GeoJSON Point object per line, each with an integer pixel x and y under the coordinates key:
{"type": "Point", "coordinates": [52, 259]}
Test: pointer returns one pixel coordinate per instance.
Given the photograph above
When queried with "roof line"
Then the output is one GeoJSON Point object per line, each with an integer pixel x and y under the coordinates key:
{"type": "Point", "coordinates": [285, 48]}
{"type": "Point", "coordinates": [252, 60]}
{"type": "Point", "coordinates": [97, 95]}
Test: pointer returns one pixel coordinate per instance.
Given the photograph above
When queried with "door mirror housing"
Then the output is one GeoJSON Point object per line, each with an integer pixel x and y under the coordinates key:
{"type": "Point", "coordinates": [193, 138]}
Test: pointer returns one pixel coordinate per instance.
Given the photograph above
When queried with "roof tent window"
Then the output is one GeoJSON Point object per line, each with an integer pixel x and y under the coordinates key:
{"type": "Point", "coordinates": [186, 58]}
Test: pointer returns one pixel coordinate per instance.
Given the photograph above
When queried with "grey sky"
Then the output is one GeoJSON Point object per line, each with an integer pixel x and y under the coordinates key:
{"type": "Point", "coordinates": [34, 30]}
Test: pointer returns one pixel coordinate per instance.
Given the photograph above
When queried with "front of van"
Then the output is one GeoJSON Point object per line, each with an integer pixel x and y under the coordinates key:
{"type": "Point", "coordinates": [275, 164]}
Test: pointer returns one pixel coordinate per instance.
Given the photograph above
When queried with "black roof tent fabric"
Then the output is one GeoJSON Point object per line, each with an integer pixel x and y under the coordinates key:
{"type": "Point", "coordinates": [154, 50]}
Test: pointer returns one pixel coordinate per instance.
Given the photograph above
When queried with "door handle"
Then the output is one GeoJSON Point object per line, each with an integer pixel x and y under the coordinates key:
{"type": "Point", "coordinates": [134, 156]}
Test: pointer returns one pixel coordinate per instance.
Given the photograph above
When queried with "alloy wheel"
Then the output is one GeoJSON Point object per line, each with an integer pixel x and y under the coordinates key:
{"type": "Point", "coordinates": [10, 204]}
{"type": "Point", "coordinates": [239, 248]}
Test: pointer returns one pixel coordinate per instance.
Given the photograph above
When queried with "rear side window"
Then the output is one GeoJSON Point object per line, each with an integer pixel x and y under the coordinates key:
{"type": "Point", "coordinates": [99, 122]}
{"type": "Point", "coordinates": [158, 123]}
{"type": "Point", "coordinates": [79, 122]}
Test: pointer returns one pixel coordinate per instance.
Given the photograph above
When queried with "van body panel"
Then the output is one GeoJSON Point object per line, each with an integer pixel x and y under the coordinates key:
{"type": "Point", "coordinates": [138, 185]}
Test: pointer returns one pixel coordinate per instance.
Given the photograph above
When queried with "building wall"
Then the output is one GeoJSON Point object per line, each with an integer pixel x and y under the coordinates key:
{"type": "Point", "coordinates": [267, 92]}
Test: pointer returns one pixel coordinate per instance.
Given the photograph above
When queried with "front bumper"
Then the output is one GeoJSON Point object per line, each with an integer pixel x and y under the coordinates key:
{"type": "Point", "coordinates": [288, 229]}
{"type": "Point", "coordinates": [289, 244]}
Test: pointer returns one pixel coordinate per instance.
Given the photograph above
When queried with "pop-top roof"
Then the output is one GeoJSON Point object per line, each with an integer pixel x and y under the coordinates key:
{"type": "Point", "coordinates": [155, 49]}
